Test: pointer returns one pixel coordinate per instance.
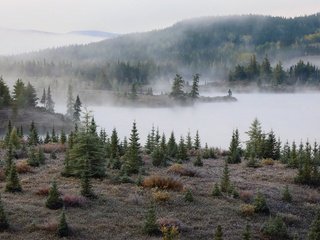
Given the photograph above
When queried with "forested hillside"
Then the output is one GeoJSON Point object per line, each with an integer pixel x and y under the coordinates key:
{"type": "Point", "coordinates": [211, 46]}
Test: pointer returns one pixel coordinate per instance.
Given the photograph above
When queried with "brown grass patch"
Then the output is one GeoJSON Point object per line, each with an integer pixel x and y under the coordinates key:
{"type": "Point", "coordinates": [74, 201]}
{"type": "Point", "coordinates": [169, 223]}
{"type": "Point", "coordinates": [162, 182]}
{"type": "Point", "coordinates": [246, 196]}
{"type": "Point", "coordinates": [313, 197]}
{"type": "Point", "coordinates": [49, 226]}
{"type": "Point", "coordinates": [182, 171]}
{"type": "Point", "coordinates": [44, 191]}
{"type": "Point", "coordinates": [54, 147]}
{"type": "Point", "coordinates": [23, 167]}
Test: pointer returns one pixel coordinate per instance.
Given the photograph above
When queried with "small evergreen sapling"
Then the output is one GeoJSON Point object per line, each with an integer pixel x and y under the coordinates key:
{"type": "Point", "coordinates": [54, 201]}
{"type": "Point", "coordinates": [216, 191]}
{"type": "Point", "coordinates": [150, 225]}
{"type": "Point", "coordinates": [3, 218]}
{"type": "Point", "coordinates": [188, 197]}
{"type": "Point", "coordinates": [41, 156]}
{"type": "Point", "coordinates": [225, 180]}
{"type": "Point", "coordinates": [63, 228]}
{"type": "Point", "coordinates": [86, 187]}
{"type": "Point", "coordinates": [246, 235]}
{"type": "Point", "coordinates": [12, 181]}
{"type": "Point", "coordinates": [33, 160]}
{"type": "Point", "coordinates": [260, 204]}
{"type": "Point", "coordinates": [198, 162]}
{"type": "Point", "coordinates": [286, 195]}
{"type": "Point", "coordinates": [218, 233]}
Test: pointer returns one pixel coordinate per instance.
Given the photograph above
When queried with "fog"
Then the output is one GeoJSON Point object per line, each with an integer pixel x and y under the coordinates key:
{"type": "Point", "coordinates": [291, 116]}
{"type": "Point", "coordinates": [16, 42]}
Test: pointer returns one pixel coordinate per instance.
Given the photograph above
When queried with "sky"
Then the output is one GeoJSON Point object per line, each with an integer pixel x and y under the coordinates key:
{"type": "Point", "coordinates": [125, 16]}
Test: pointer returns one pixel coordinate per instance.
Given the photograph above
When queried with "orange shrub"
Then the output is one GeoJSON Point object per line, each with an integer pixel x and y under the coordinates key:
{"type": "Point", "coordinates": [160, 196]}
{"type": "Point", "coordinates": [247, 210]}
{"type": "Point", "coordinates": [162, 182]}
{"type": "Point", "coordinates": [267, 162]}
{"type": "Point", "coordinates": [181, 170]}
{"type": "Point", "coordinates": [246, 196]}
{"type": "Point", "coordinates": [23, 167]}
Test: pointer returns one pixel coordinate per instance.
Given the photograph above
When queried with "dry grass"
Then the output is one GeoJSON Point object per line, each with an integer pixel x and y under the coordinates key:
{"type": "Point", "coordinates": [267, 162]}
{"type": "Point", "coordinates": [74, 201]}
{"type": "Point", "coordinates": [22, 166]}
{"type": "Point", "coordinates": [247, 210]}
{"type": "Point", "coordinates": [170, 222]}
{"type": "Point", "coordinates": [44, 191]}
{"type": "Point", "coordinates": [246, 196]}
{"type": "Point", "coordinates": [48, 226]}
{"type": "Point", "coordinates": [160, 196]}
{"type": "Point", "coordinates": [162, 182]}
{"type": "Point", "coordinates": [54, 147]}
{"type": "Point", "coordinates": [181, 170]}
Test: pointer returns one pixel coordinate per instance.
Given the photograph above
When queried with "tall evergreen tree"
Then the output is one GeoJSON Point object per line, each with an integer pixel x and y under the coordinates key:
{"type": "Point", "coordinates": [70, 102]}
{"type": "Point", "coordinates": [12, 181]}
{"type": "Point", "coordinates": [33, 138]}
{"type": "Point", "coordinates": [31, 96]}
{"type": "Point", "coordinates": [63, 228]}
{"type": "Point", "coordinates": [54, 201]}
{"type": "Point", "coordinates": [8, 160]}
{"type": "Point", "coordinates": [49, 101]}
{"type": "Point", "coordinates": [132, 157]}
{"type": "Point", "coordinates": [77, 109]}
{"type": "Point", "coordinates": [114, 145]}
{"type": "Point", "coordinates": [254, 144]}
{"type": "Point", "coordinates": [194, 94]}
{"type": "Point", "coordinates": [265, 69]}
{"type": "Point", "coordinates": [19, 98]}
{"type": "Point", "coordinates": [15, 139]}
{"type": "Point", "coordinates": [43, 98]}
{"type": "Point", "coordinates": [189, 141]}
{"type": "Point", "coordinates": [177, 88]}
{"type": "Point", "coordinates": [5, 98]}
{"type": "Point", "coordinates": [182, 150]}
{"type": "Point", "coordinates": [225, 180]}
{"type": "Point", "coordinates": [8, 133]}
{"type": "Point", "coordinates": [172, 147]}
{"type": "Point", "coordinates": [197, 144]}
{"type": "Point", "coordinates": [234, 148]}
{"type": "Point", "coordinates": [279, 75]}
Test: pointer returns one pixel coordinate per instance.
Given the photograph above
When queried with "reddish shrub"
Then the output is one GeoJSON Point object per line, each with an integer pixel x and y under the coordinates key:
{"type": "Point", "coordinates": [43, 191]}
{"type": "Point", "coordinates": [23, 167]}
{"type": "Point", "coordinates": [74, 201]}
{"type": "Point", "coordinates": [246, 196]}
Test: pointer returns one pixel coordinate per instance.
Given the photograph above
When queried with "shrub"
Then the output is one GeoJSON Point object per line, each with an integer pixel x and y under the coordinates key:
{"type": "Point", "coordinates": [13, 182]}
{"type": "Point", "coordinates": [198, 162]}
{"type": "Point", "coordinates": [188, 197]}
{"type": "Point", "coordinates": [286, 195]}
{"type": "Point", "coordinates": [218, 234]}
{"type": "Point", "coordinates": [169, 233]}
{"type": "Point", "coordinates": [160, 196]}
{"type": "Point", "coordinates": [23, 167]}
{"type": "Point", "coordinates": [260, 204]}
{"type": "Point", "coordinates": [74, 201]}
{"type": "Point", "coordinates": [54, 201]}
{"type": "Point", "coordinates": [182, 171]}
{"type": "Point", "coordinates": [246, 235]}
{"type": "Point", "coordinates": [162, 182]}
{"type": "Point", "coordinates": [267, 162]}
{"type": "Point", "coordinates": [53, 147]}
{"type": "Point", "coordinates": [44, 191]}
{"type": "Point", "coordinates": [247, 210]}
{"type": "Point", "coordinates": [275, 229]}
{"type": "Point", "coordinates": [246, 196]}
{"type": "Point", "coordinates": [3, 219]}
{"type": "Point", "coordinates": [169, 223]}
{"type": "Point", "coordinates": [314, 231]}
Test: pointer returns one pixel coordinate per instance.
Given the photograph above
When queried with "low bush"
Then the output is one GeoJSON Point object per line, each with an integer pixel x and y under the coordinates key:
{"type": "Point", "coordinates": [162, 182]}
{"type": "Point", "coordinates": [247, 210]}
{"type": "Point", "coordinates": [182, 171]}
{"type": "Point", "coordinates": [44, 191]}
{"type": "Point", "coordinates": [246, 196]}
{"type": "Point", "coordinates": [267, 162]}
{"type": "Point", "coordinates": [23, 167]}
{"type": "Point", "coordinates": [74, 201]}
{"type": "Point", "coordinates": [54, 147]}
{"type": "Point", "coordinates": [160, 196]}
{"type": "Point", "coordinates": [275, 229]}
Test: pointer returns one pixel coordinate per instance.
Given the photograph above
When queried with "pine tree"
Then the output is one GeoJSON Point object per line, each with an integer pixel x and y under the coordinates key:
{"type": "Point", "coordinates": [9, 160]}
{"type": "Point", "coordinates": [182, 151]}
{"type": "Point", "coordinates": [5, 98]}
{"type": "Point", "coordinates": [43, 98]}
{"type": "Point", "coordinates": [314, 231]}
{"type": "Point", "coordinates": [63, 228]}
{"type": "Point", "coordinates": [189, 141]}
{"type": "Point", "coordinates": [260, 204]}
{"type": "Point", "coordinates": [218, 233]}
{"type": "Point", "coordinates": [234, 148]}
{"type": "Point", "coordinates": [12, 181]}
{"type": "Point", "coordinates": [33, 160]}
{"type": "Point", "coordinates": [19, 98]}
{"type": "Point", "coordinates": [33, 138]}
{"type": "Point", "coordinates": [177, 88]}
{"type": "Point", "coordinates": [54, 201]}
{"type": "Point", "coordinates": [31, 96]}
{"type": "Point", "coordinates": [279, 75]}
{"type": "Point", "coordinates": [172, 147]}
{"type": "Point", "coordinates": [8, 133]}
{"type": "Point", "coordinates": [293, 161]}
{"type": "Point", "coordinates": [197, 144]}
{"type": "Point", "coordinates": [225, 180]}
{"type": "Point", "coordinates": [63, 137]}
{"type": "Point", "coordinates": [77, 110]}
{"type": "Point", "coordinates": [163, 144]}
{"type": "Point", "coordinates": [114, 144]}
{"type": "Point", "coordinates": [188, 197]}
{"type": "Point", "coordinates": [41, 157]}
{"type": "Point", "coordinates": [4, 225]}
{"type": "Point", "coordinates": [246, 235]}
{"type": "Point", "coordinates": [271, 146]}
{"type": "Point", "coordinates": [49, 101]}
{"type": "Point", "coordinates": [158, 157]}
{"type": "Point", "coordinates": [198, 162]}
{"type": "Point", "coordinates": [194, 94]}
{"type": "Point", "coordinates": [286, 195]}
{"type": "Point", "coordinates": [70, 102]}
{"type": "Point", "coordinates": [54, 138]}
{"type": "Point", "coordinates": [216, 191]}
{"type": "Point", "coordinates": [14, 138]}
{"type": "Point", "coordinates": [47, 138]}
{"type": "Point", "coordinates": [150, 226]}
{"type": "Point", "coordinates": [132, 157]}
{"type": "Point", "coordinates": [86, 187]}
{"type": "Point", "coordinates": [254, 144]}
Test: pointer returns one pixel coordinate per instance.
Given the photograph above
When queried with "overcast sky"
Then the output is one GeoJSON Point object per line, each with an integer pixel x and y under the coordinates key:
{"type": "Point", "coordinates": [123, 16]}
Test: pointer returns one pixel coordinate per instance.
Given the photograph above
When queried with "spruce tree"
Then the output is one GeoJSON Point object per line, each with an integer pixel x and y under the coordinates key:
{"type": "Point", "coordinates": [286, 195]}
{"type": "Point", "coordinates": [189, 141]}
{"type": "Point", "coordinates": [132, 157]}
{"type": "Point", "coordinates": [43, 98]}
{"type": "Point", "coordinates": [150, 226]}
{"type": "Point", "coordinates": [4, 225]}
{"type": "Point", "coordinates": [158, 157]}
{"type": "Point", "coordinates": [8, 133]}
{"type": "Point", "coordinates": [33, 160]}
{"type": "Point", "coordinates": [5, 98]}
{"type": "Point", "coordinates": [49, 101]}
{"type": "Point", "coordinates": [246, 235]}
{"type": "Point", "coordinates": [182, 151]}
{"type": "Point", "coordinates": [63, 137]}
{"type": "Point", "coordinates": [12, 181]}
{"type": "Point", "coordinates": [70, 102]}
{"type": "Point", "coordinates": [234, 148]}
{"type": "Point", "coordinates": [114, 144]}
{"type": "Point", "coordinates": [314, 231]}
{"type": "Point", "coordinates": [9, 160]}
{"type": "Point", "coordinates": [177, 88]}
{"type": "Point", "coordinates": [172, 147]}
{"type": "Point", "coordinates": [86, 187]}
{"type": "Point", "coordinates": [19, 98]}
{"type": "Point", "coordinates": [63, 228]}
{"type": "Point", "coordinates": [33, 138]}
{"type": "Point", "coordinates": [194, 94]}
{"type": "Point", "coordinates": [218, 235]}
{"type": "Point", "coordinates": [198, 162]}
{"type": "Point", "coordinates": [40, 155]}
{"type": "Point", "coordinates": [254, 144]}
{"type": "Point", "coordinates": [225, 180]}
{"type": "Point", "coordinates": [31, 96]}
{"type": "Point", "coordinates": [77, 109]}
{"type": "Point", "coordinates": [216, 191]}
{"type": "Point", "coordinates": [47, 138]}
{"type": "Point", "coordinates": [54, 201]}
{"type": "Point", "coordinates": [188, 197]}
{"type": "Point", "coordinates": [260, 204]}
{"type": "Point", "coordinates": [197, 144]}
{"type": "Point", "coordinates": [54, 138]}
